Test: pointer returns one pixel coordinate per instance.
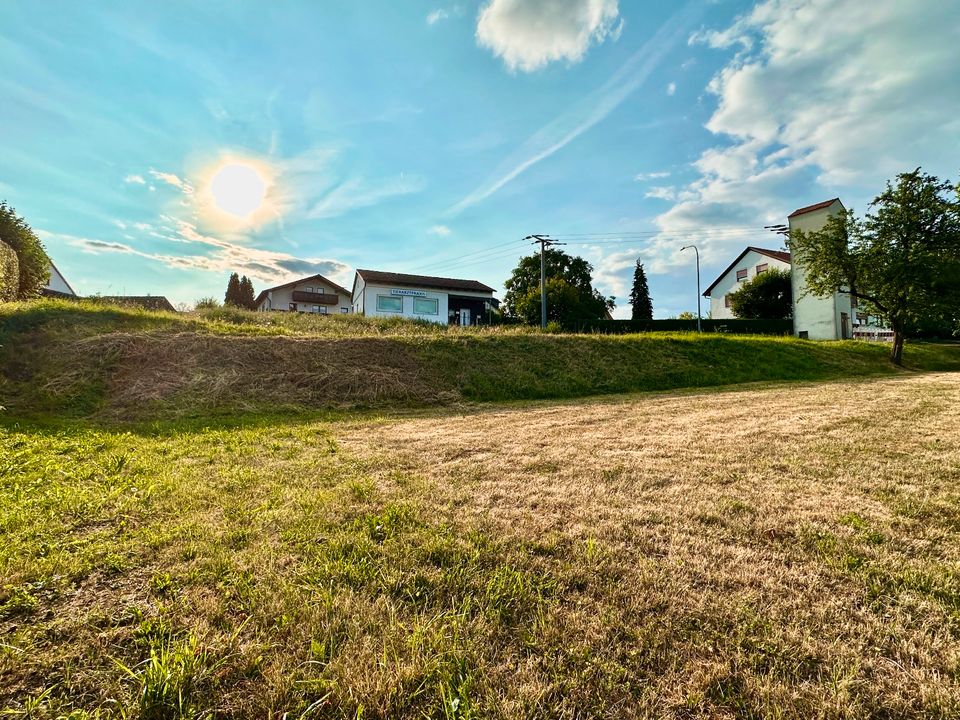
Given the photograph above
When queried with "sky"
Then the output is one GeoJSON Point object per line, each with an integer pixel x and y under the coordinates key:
{"type": "Point", "coordinates": [158, 147]}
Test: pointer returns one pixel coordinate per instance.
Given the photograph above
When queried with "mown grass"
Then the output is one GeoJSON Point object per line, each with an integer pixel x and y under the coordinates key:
{"type": "Point", "coordinates": [83, 359]}
{"type": "Point", "coordinates": [795, 556]}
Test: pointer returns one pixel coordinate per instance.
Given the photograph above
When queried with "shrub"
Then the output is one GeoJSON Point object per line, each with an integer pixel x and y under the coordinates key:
{"type": "Point", "coordinates": [33, 263]}
{"type": "Point", "coordinates": [9, 273]}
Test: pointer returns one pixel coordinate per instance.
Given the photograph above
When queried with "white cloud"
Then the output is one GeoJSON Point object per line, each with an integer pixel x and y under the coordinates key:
{"type": "Point", "coordinates": [174, 180]}
{"type": "Point", "coordinates": [436, 16]}
{"type": "Point", "coordinates": [589, 111]}
{"type": "Point", "coordinates": [135, 180]}
{"type": "Point", "coordinates": [529, 34]}
{"type": "Point", "coordinates": [357, 193]}
{"type": "Point", "coordinates": [641, 177]}
{"type": "Point", "coordinates": [662, 193]}
{"type": "Point", "coordinates": [441, 230]}
{"type": "Point", "coordinates": [671, 88]}
{"type": "Point", "coordinates": [835, 96]}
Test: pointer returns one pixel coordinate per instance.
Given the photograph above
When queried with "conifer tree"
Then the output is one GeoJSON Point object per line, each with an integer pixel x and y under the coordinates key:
{"type": "Point", "coordinates": [232, 296]}
{"type": "Point", "coordinates": [640, 295]}
{"type": "Point", "coordinates": [247, 295]}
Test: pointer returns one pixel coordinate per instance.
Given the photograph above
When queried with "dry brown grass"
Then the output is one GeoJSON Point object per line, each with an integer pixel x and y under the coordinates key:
{"type": "Point", "coordinates": [760, 552]}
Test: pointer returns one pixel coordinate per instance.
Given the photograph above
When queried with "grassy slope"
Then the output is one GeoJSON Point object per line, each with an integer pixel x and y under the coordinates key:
{"type": "Point", "coordinates": [577, 560]}
{"type": "Point", "coordinates": [81, 358]}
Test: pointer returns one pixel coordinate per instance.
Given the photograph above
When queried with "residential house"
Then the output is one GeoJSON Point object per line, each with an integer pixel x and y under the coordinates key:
{"type": "Point", "coordinates": [147, 302]}
{"type": "Point", "coordinates": [314, 294]}
{"type": "Point", "coordinates": [57, 286]}
{"type": "Point", "coordinates": [443, 300]}
{"type": "Point", "coordinates": [748, 264]}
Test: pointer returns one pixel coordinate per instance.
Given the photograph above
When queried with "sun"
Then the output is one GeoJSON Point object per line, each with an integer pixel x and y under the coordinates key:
{"type": "Point", "coordinates": [238, 189]}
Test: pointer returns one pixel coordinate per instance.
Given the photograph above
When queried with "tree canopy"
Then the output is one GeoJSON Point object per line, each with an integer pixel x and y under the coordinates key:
{"type": "Point", "coordinates": [570, 293]}
{"type": "Point", "coordinates": [640, 302]}
{"type": "Point", "coordinates": [902, 260]}
{"type": "Point", "coordinates": [233, 295]}
{"type": "Point", "coordinates": [33, 265]}
{"type": "Point", "coordinates": [247, 294]}
{"type": "Point", "coordinates": [766, 296]}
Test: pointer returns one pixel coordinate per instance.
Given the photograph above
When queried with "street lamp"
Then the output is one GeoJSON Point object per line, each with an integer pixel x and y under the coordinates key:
{"type": "Point", "coordinates": [697, 251]}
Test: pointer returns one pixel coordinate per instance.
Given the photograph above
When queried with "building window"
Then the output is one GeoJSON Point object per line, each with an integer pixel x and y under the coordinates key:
{"type": "Point", "coordinates": [426, 306]}
{"type": "Point", "coordinates": [741, 275]}
{"type": "Point", "coordinates": [726, 300]}
{"type": "Point", "coordinates": [386, 303]}
{"type": "Point", "coordinates": [344, 311]}
{"type": "Point", "coordinates": [309, 288]}
{"type": "Point", "coordinates": [762, 268]}
{"type": "Point", "coordinates": [316, 308]}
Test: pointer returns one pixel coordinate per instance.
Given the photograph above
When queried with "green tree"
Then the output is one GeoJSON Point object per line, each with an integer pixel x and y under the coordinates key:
{"type": "Point", "coordinates": [247, 295]}
{"type": "Point", "coordinates": [640, 295]}
{"type": "Point", "coordinates": [233, 295]}
{"type": "Point", "coordinates": [902, 260]}
{"type": "Point", "coordinates": [32, 261]}
{"type": "Point", "coordinates": [207, 303]}
{"type": "Point", "coordinates": [687, 315]}
{"type": "Point", "coordinates": [570, 293]}
{"type": "Point", "coordinates": [767, 296]}
{"type": "Point", "coordinates": [9, 273]}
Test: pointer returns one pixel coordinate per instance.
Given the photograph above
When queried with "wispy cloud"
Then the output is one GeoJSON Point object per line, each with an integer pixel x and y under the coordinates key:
{"type": "Point", "coordinates": [671, 88]}
{"type": "Point", "coordinates": [641, 177]}
{"type": "Point", "coordinates": [436, 16]}
{"type": "Point", "coordinates": [441, 230]}
{"type": "Point", "coordinates": [590, 110]}
{"type": "Point", "coordinates": [174, 180]}
{"type": "Point", "coordinates": [358, 193]}
{"type": "Point", "coordinates": [135, 180]}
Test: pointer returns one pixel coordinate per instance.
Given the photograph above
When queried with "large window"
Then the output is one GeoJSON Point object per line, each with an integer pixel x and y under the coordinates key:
{"type": "Point", "coordinates": [426, 306]}
{"type": "Point", "coordinates": [386, 303]}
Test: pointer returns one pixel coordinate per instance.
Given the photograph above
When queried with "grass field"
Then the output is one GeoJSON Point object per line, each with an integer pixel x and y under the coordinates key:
{"type": "Point", "coordinates": [87, 359]}
{"type": "Point", "coordinates": [780, 551]}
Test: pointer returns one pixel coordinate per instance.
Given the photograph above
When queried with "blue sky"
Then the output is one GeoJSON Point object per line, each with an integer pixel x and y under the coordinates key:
{"type": "Point", "coordinates": [431, 136]}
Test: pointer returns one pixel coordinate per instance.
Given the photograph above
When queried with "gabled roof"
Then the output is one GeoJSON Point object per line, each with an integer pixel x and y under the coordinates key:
{"type": "Point", "coordinates": [147, 302]}
{"type": "Point", "coordinates": [780, 255]}
{"type": "Point", "coordinates": [439, 283]}
{"type": "Point", "coordinates": [812, 208]}
{"type": "Point", "coordinates": [55, 269]}
{"type": "Point", "coordinates": [313, 278]}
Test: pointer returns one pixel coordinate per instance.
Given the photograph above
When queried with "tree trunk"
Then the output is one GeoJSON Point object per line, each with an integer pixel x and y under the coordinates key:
{"type": "Point", "coordinates": [896, 352]}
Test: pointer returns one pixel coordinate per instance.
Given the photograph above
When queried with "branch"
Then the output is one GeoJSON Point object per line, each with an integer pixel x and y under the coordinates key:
{"type": "Point", "coordinates": [880, 306]}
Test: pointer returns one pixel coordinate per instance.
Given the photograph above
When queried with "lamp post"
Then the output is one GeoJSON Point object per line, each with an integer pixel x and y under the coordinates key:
{"type": "Point", "coordinates": [697, 251]}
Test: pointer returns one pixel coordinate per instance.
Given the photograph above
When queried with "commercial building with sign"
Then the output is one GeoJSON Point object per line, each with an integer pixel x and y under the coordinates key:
{"type": "Point", "coordinates": [314, 294]}
{"type": "Point", "coordinates": [436, 299]}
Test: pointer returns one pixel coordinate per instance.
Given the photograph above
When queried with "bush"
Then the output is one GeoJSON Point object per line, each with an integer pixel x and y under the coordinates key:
{"type": "Point", "coordinates": [9, 273]}
{"type": "Point", "coordinates": [33, 263]}
{"type": "Point", "coordinates": [207, 303]}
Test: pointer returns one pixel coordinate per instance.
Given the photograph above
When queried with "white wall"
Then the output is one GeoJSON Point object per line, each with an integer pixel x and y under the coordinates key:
{"type": "Point", "coordinates": [818, 316]}
{"type": "Point", "coordinates": [728, 283]}
{"type": "Point", "coordinates": [56, 283]}
{"type": "Point", "coordinates": [280, 299]}
{"type": "Point", "coordinates": [370, 293]}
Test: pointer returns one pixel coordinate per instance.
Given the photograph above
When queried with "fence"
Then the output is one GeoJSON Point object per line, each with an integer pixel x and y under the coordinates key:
{"type": "Point", "coordinates": [735, 327]}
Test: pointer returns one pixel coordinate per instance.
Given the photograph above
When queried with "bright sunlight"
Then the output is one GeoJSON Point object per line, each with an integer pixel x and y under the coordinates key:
{"type": "Point", "coordinates": [238, 189]}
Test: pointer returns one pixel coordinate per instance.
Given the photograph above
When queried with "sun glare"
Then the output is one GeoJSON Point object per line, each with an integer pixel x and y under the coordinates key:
{"type": "Point", "coordinates": [238, 189]}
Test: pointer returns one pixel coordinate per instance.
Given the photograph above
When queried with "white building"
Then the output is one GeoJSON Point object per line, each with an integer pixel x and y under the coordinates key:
{"type": "Point", "coordinates": [57, 285]}
{"type": "Point", "coordinates": [314, 294]}
{"type": "Point", "coordinates": [750, 263]}
{"type": "Point", "coordinates": [441, 300]}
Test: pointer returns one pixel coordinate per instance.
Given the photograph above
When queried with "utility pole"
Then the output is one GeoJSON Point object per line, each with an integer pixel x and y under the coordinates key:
{"type": "Point", "coordinates": [697, 251]}
{"type": "Point", "coordinates": [544, 241]}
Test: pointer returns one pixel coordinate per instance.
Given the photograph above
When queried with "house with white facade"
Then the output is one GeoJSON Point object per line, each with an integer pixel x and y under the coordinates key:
{"type": "Point", "coordinates": [748, 264]}
{"type": "Point", "coordinates": [57, 285]}
{"type": "Point", "coordinates": [443, 300]}
{"type": "Point", "coordinates": [314, 294]}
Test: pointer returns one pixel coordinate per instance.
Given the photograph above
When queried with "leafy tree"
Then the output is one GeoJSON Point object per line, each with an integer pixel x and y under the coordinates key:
{"type": "Point", "coordinates": [247, 295]}
{"type": "Point", "coordinates": [233, 295]}
{"type": "Point", "coordinates": [640, 295]}
{"type": "Point", "coordinates": [207, 303]}
{"type": "Point", "coordinates": [687, 315]}
{"type": "Point", "coordinates": [9, 273]}
{"type": "Point", "coordinates": [32, 261]}
{"type": "Point", "coordinates": [767, 296]}
{"type": "Point", "coordinates": [570, 293]}
{"type": "Point", "coordinates": [902, 260]}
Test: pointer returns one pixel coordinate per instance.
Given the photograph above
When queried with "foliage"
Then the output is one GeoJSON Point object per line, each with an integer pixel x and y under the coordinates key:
{"type": "Point", "coordinates": [207, 303]}
{"type": "Point", "coordinates": [233, 296]}
{"type": "Point", "coordinates": [570, 292]}
{"type": "Point", "coordinates": [687, 315]}
{"type": "Point", "coordinates": [33, 263]}
{"type": "Point", "coordinates": [9, 273]}
{"type": "Point", "coordinates": [640, 302]}
{"type": "Point", "coordinates": [767, 296]}
{"type": "Point", "coordinates": [902, 260]}
{"type": "Point", "coordinates": [247, 294]}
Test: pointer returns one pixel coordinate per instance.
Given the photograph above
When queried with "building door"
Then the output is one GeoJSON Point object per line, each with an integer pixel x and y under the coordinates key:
{"type": "Point", "coordinates": [845, 326]}
{"type": "Point", "coordinates": [465, 316]}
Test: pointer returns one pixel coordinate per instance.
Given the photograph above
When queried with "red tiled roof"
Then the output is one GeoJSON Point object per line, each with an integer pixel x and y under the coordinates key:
{"type": "Point", "coordinates": [811, 208]}
{"type": "Point", "coordinates": [776, 254]}
{"type": "Point", "coordinates": [391, 278]}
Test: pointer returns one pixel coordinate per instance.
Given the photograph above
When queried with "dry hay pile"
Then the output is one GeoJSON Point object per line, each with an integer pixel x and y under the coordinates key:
{"type": "Point", "coordinates": [185, 372]}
